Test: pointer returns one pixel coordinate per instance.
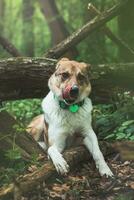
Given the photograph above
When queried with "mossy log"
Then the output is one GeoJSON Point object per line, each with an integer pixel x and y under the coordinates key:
{"type": "Point", "coordinates": [22, 78]}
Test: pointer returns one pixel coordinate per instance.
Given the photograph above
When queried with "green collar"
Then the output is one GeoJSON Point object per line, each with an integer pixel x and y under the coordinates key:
{"type": "Point", "coordinates": [73, 107]}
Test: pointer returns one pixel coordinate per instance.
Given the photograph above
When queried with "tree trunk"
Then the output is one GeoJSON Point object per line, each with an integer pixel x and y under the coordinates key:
{"type": "Point", "coordinates": [126, 30]}
{"type": "Point", "coordinates": [2, 10]}
{"type": "Point", "coordinates": [27, 77]}
{"type": "Point", "coordinates": [28, 27]}
{"type": "Point", "coordinates": [56, 24]}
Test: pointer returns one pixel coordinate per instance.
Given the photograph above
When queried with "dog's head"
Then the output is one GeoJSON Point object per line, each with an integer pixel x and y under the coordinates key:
{"type": "Point", "coordinates": [70, 81]}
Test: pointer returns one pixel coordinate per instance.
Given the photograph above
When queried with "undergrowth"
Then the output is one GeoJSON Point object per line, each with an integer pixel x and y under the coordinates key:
{"type": "Point", "coordinates": [114, 122]}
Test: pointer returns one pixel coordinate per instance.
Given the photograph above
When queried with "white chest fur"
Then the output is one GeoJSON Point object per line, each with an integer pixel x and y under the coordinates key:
{"type": "Point", "coordinates": [65, 119]}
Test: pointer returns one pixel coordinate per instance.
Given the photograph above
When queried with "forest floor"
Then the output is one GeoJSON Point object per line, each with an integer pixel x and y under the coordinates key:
{"type": "Point", "coordinates": [84, 182]}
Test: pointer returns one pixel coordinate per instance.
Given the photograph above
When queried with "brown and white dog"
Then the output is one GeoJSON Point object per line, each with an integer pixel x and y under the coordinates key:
{"type": "Point", "coordinates": [67, 110]}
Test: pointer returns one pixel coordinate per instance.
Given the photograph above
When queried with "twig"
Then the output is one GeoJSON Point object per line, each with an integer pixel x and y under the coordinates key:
{"type": "Point", "coordinates": [93, 12]}
{"type": "Point", "coordinates": [9, 47]}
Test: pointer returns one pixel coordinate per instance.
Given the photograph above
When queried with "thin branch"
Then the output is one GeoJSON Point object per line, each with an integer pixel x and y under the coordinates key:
{"type": "Point", "coordinates": [9, 47]}
{"type": "Point", "coordinates": [93, 12]}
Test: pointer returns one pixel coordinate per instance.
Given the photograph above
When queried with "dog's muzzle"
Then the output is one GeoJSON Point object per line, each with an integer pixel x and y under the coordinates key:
{"type": "Point", "coordinates": [71, 92]}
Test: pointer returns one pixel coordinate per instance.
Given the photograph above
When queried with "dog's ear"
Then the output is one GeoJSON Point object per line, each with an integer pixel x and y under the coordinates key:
{"type": "Point", "coordinates": [87, 68]}
{"type": "Point", "coordinates": [85, 65]}
{"type": "Point", "coordinates": [61, 60]}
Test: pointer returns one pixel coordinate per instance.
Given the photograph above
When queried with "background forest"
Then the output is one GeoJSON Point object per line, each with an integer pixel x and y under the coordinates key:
{"type": "Point", "coordinates": [34, 26]}
{"type": "Point", "coordinates": [31, 29]}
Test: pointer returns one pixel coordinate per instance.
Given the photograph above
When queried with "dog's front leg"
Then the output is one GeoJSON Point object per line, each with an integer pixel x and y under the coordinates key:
{"type": "Point", "coordinates": [56, 145]}
{"type": "Point", "coordinates": [91, 143]}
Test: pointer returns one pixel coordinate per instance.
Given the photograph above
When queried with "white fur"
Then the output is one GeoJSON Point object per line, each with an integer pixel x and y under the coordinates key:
{"type": "Point", "coordinates": [63, 123]}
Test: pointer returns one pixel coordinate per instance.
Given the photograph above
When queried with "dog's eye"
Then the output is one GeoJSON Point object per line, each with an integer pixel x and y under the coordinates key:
{"type": "Point", "coordinates": [81, 77]}
{"type": "Point", "coordinates": [65, 75]}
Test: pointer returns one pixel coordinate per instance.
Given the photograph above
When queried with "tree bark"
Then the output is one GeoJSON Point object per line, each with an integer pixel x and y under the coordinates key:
{"type": "Point", "coordinates": [22, 78]}
{"type": "Point", "coordinates": [56, 24]}
{"type": "Point", "coordinates": [28, 27]}
{"type": "Point", "coordinates": [88, 28]}
{"type": "Point", "coordinates": [2, 13]}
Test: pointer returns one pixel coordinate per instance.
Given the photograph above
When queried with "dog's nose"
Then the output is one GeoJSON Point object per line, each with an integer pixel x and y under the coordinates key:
{"type": "Point", "coordinates": [74, 91]}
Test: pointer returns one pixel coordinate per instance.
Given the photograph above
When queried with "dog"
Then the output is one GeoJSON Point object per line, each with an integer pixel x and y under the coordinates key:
{"type": "Point", "coordinates": [67, 110]}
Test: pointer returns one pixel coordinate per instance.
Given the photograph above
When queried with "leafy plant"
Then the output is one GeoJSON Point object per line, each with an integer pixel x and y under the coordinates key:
{"type": "Point", "coordinates": [24, 110]}
{"type": "Point", "coordinates": [125, 131]}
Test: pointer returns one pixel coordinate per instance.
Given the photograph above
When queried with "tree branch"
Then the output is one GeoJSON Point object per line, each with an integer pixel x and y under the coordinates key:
{"type": "Point", "coordinates": [83, 32]}
{"type": "Point", "coordinates": [119, 42]}
{"type": "Point", "coordinates": [9, 47]}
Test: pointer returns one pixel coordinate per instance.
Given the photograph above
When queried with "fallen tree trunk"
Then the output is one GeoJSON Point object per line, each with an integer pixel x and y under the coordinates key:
{"type": "Point", "coordinates": [13, 135]}
{"type": "Point", "coordinates": [83, 32]}
{"type": "Point", "coordinates": [28, 182]}
{"type": "Point", "coordinates": [22, 78]}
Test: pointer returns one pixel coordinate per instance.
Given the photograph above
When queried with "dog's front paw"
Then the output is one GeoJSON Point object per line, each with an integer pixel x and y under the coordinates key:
{"type": "Point", "coordinates": [61, 165]}
{"type": "Point", "coordinates": [105, 170]}
{"type": "Point", "coordinates": [59, 162]}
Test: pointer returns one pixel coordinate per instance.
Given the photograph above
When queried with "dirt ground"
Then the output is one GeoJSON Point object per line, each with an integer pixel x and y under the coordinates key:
{"type": "Point", "coordinates": [84, 182]}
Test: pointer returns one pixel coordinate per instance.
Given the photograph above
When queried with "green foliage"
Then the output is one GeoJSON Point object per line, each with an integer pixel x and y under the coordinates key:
{"type": "Point", "coordinates": [124, 131]}
{"type": "Point", "coordinates": [24, 110]}
{"type": "Point", "coordinates": [13, 154]}
{"type": "Point", "coordinates": [115, 121]}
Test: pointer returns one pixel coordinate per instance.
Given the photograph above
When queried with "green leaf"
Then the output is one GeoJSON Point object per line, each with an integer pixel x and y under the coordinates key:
{"type": "Point", "coordinates": [120, 135]}
{"type": "Point", "coordinates": [126, 123]}
{"type": "Point", "coordinates": [13, 154]}
{"type": "Point", "coordinates": [132, 138]}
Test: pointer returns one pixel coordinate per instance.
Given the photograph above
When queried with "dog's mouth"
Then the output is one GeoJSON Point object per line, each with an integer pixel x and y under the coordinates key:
{"type": "Point", "coordinates": [70, 94]}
